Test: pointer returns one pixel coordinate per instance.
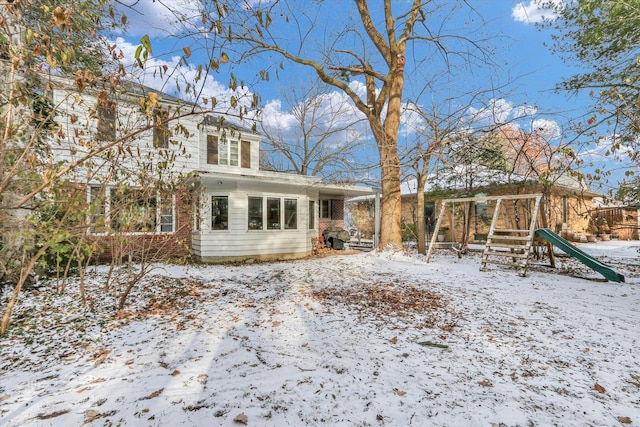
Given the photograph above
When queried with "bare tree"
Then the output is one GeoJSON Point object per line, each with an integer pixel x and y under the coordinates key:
{"type": "Point", "coordinates": [323, 139]}
{"type": "Point", "coordinates": [438, 130]}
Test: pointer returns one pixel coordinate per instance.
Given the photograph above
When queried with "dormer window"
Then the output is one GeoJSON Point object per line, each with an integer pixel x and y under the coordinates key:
{"type": "Point", "coordinates": [228, 151]}
{"type": "Point", "coordinates": [222, 150]}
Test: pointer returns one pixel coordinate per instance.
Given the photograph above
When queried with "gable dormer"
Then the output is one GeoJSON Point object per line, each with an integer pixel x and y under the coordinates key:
{"type": "Point", "coordinates": [225, 145]}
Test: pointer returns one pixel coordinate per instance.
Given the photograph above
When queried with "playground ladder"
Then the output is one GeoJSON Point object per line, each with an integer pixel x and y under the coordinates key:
{"type": "Point", "coordinates": [510, 243]}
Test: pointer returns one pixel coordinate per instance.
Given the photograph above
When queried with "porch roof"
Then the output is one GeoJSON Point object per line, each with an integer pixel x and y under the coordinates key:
{"type": "Point", "coordinates": [278, 178]}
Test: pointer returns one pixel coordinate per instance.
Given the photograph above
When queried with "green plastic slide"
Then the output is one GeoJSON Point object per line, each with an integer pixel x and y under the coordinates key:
{"type": "Point", "coordinates": [573, 251]}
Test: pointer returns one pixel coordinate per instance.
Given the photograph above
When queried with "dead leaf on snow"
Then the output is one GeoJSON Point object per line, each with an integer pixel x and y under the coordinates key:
{"type": "Point", "coordinates": [52, 414]}
{"type": "Point", "coordinates": [90, 415]}
{"type": "Point", "coordinates": [399, 392]}
{"type": "Point", "coordinates": [241, 418]}
{"type": "Point", "coordinates": [599, 388]}
{"type": "Point", "coordinates": [99, 357]}
{"type": "Point", "coordinates": [635, 381]}
{"type": "Point", "coordinates": [394, 340]}
{"type": "Point", "coordinates": [153, 395]}
{"type": "Point", "coordinates": [276, 323]}
{"type": "Point", "coordinates": [624, 420]}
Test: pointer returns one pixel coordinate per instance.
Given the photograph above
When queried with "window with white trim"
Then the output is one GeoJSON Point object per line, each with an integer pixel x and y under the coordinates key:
{"type": "Point", "coordinates": [324, 208]}
{"type": "Point", "coordinates": [255, 219]}
{"type": "Point", "coordinates": [273, 213]}
{"type": "Point", "coordinates": [270, 211]}
{"type": "Point", "coordinates": [312, 214]}
{"type": "Point", "coordinates": [219, 212]}
{"type": "Point", "coordinates": [228, 151]}
{"type": "Point", "coordinates": [98, 217]}
{"type": "Point", "coordinates": [131, 211]}
{"type": "Point", "coordinates": [290, 214]}
{"type": "Point", "coordinates": [166, 215]}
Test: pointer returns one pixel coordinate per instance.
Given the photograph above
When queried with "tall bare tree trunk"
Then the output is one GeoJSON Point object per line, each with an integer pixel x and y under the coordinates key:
{"type": "Point", "coordinates": [391, 208]}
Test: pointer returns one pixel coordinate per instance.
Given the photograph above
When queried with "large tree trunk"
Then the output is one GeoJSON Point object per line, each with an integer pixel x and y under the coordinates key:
{"type": "Point", "coordinates": [391, 203]}
{"type": "Point", "coordinates": [391, 215]}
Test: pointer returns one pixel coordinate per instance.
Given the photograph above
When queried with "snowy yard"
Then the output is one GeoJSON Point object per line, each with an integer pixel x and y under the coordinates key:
{"type": "Point", "coordinates": [374, 339]}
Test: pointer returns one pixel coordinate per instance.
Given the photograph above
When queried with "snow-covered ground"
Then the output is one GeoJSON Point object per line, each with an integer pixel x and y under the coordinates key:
{"type": "Point", "coordinates": [370, 339]}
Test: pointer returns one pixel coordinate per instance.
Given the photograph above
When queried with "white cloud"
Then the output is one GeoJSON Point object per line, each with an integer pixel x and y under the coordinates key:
{"type": "Point", "coordinates": [525, 111]}
{"type": "Point", "coordinates": [548, 129]}
{"type": "Point", "coordinates": [535, 11]}
{"type": "Point", "coordinates": [498, 111]}
{"type": "Point", "coordinates": [155, 17]}
{"type": "Point", "coordinates": [501, 111]}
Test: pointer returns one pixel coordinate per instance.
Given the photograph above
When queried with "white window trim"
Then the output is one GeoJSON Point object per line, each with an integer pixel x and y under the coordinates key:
{"type": "Point", "coordinates": [320, 217]}
{"type": "Point", "coordinates": [224, 151]}
{"type": "Point", "coordinates": [107, 216]}
{"type": "Point", "coordinates": [282, 199]}
{"type": "Point", "coordinates": [209, 212]}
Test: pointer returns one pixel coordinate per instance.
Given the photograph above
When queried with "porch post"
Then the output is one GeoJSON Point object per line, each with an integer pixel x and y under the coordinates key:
{"type": "Point", "coordinates": [376, 237]}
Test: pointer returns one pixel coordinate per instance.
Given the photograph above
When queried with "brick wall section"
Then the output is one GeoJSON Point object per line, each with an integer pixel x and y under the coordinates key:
{"type": "Point", "coordinates": [337, 217]}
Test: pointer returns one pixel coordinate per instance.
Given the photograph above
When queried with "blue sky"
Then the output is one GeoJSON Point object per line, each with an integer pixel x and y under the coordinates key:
{"type": "Point", "coordinates": [526, 71]}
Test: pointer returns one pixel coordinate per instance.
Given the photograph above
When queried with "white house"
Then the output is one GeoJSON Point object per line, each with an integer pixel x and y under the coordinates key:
{"type": "Point", "coordinates": [236, 211]}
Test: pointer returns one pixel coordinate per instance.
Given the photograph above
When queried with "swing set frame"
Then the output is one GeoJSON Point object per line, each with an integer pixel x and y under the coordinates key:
{"type": "Point", "coordinates": [506, 238]}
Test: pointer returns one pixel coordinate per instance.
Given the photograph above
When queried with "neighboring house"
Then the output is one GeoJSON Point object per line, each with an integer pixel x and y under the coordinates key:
{"type": "Point", "coordinates": [621, 220]}
{"type": "Point", "coordinates": [225, 208]}
{"type": "Point", "coordinates": [569, 204]}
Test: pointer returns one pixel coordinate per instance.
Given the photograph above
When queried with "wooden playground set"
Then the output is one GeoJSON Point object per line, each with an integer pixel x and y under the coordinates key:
{"type": "Point", "coordinates": [517, 233]}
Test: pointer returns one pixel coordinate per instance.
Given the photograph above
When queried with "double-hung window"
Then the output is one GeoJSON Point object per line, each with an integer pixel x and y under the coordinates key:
{"type": "Point", "coordinates": [98, 219]}
{"type": "Point", "coordinates": [131, 211]}
{"type": "Point", "coordinates": [225, 151]}
{"type": "Point", "coordinates": [255, 219]}
{"type": "Point", "coordinates": [273, 214]}
{"type": "Point", "coordinates": [228, 151]}
{"type": "Point", "coordinates": [290, 214]}
{"type": "Point", "coordinates": [325, 209]}
{"type": "Point", "coordinates": [166, 215]}
{"type": "Point", "coordinates": [219, 212]}
{"type": "Point", "coordinates": [312, 215]}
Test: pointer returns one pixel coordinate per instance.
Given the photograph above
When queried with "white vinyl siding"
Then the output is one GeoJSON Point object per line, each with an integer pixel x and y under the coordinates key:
{"type": "Point", "coordinates": [252, 231]}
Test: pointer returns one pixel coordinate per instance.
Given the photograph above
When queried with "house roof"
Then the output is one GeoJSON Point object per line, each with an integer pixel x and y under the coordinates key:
{"type": "Point", "coordinates": [457, 179]}
{"type": "Point", "coordinates": [223, 122]}
{"type": "Point", "coordinates": [454, 180]}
